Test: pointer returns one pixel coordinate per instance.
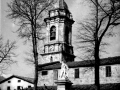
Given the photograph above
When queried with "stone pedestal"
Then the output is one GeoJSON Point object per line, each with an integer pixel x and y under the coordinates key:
{"type": "Point", "coordinates": [64, 84]}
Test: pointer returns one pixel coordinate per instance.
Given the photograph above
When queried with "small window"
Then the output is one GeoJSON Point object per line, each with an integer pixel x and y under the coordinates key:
{"type": "Point", "coordinates": [108, 71]}
{"type": "Point", "coordinates": [51, 59]}
{"type": "Point", "coordinates": [44, 73]}
{"type": "Point", "coordinates": [18, 87]}
{"type": "Point", "coordinates": [55, 74]}
{"type": "Point", "coordinates": [8, 87]}
{"type": "Point", "coordinates": [29, 86]}
{"type": "Point", "coordinates": [19, 80]}
{"type": "Point", "coordinates": [53, 33]}
{"type": "Point", "coordinates": [76, 73]}
{"type": "Point", "coordinates": [9, 81]}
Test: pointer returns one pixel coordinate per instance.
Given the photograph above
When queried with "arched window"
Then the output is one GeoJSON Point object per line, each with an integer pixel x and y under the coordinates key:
{"type": "Point", "coordinates": [53, 33]}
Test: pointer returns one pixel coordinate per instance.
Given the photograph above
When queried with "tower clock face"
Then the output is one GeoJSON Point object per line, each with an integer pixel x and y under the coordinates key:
{"type": "Point", "coordinates": [51, 48]}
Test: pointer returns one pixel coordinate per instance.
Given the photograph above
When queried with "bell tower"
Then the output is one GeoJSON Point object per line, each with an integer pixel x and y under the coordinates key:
{"type": "Point", "coordinates": [58, 43]}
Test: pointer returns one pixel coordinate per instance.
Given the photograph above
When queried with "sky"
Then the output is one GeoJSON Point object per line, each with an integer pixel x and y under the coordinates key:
{"type": "Point", "coordinates": [79, 11]}
{"type": "Point", "coordinates": [8, 29]}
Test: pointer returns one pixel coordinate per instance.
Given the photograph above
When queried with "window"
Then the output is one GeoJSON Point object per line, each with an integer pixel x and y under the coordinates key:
{"type": "Point", "coordinates": [44, 72]}
{"type": "Point", "coordinates": [29, 86]}
{"type": "Point", "coordinates": [108, 71]}
{"type": "Point", "coordinates": [76, 73]}
{"type": "Point", "coordinates": [8, 87]}
{"type": "Point", "coordinates": [53, 33]}
{"type": "Point", "coordinates": [19, 80]}
{"type": "Point", "coordinates": [9, 81]}
{"type": "Point", "coordinates": [55, 74]}
{"type": "Point", "coordinates": [18, 87]}
{"type": "Point", "coordinates": [51, 59]}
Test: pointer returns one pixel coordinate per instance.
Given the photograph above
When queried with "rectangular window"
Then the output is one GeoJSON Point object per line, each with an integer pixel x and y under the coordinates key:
{"type": "Point", "coordinates": [44, 73]}
{"type": "Point", "coordinates": [8, 87]}
{"type": "Point", "coordinates": [76, 73]}
{"type": "Point", "coordinates": [18, 87]}
{"type": "Point", "coordinates": [108, 71]}
{"type": "Point", "coordinates": [29, 86]}
{"type": "Point", "coordinates": [55, 74]}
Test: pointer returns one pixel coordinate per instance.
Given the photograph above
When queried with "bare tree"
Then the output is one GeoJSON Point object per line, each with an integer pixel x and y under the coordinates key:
{"type": "Point", "coordinates": [104, 17]}
{"type": "Point", "coordinates": [6, 54]}
{"type": "Point", "coordinates": [29, 14]}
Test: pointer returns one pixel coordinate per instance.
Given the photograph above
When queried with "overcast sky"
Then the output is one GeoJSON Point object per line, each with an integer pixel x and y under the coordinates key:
{"type": "Point", "coordinates": [79, 11]}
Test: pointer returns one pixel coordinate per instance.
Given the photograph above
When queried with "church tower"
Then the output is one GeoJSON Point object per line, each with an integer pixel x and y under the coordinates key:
{"type": "Point", "coordinates": [58, 43]}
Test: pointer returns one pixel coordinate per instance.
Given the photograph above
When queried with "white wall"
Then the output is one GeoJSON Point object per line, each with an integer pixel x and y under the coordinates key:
{"type": "Point", "coordinates": [14, 83]}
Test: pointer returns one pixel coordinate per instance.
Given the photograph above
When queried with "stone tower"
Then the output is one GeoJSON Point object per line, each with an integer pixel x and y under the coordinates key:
{"type": "Point", "coordinates": [58, 43]}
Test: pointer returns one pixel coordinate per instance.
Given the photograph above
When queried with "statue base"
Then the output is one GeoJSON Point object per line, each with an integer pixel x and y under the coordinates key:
{"type": "Point", "coordinates": [64, 84]}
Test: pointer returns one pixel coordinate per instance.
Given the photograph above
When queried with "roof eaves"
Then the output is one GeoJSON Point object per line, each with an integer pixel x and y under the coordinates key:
{"type": "Point", "coordinates": [86, 63]}
{"type": "Point", "coordinates": [23, 78]}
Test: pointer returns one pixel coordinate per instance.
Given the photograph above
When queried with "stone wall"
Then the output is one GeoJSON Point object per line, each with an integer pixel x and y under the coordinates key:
{"type": "Point", "coordinates": [86, 76]}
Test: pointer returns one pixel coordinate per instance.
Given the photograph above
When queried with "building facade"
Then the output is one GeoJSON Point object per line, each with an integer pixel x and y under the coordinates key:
{"type": "Point", "coordinates": [58, 47]}
{"type": "Point", "coordinates": [82, 72]}
{"type": "Point", "coordinates": [16, 83]}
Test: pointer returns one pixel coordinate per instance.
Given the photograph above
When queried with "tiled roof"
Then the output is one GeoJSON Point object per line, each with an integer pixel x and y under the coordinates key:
{"type": "Point", "coordinates": [27, 79]}
{"type": "Point", "coordinates": [86, 63]}
{"type": "Point", "coordinates": [31, 80]}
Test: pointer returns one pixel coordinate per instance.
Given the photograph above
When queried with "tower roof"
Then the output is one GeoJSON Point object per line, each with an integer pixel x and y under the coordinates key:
{"type": "Point", "coordinates": [61, 4]}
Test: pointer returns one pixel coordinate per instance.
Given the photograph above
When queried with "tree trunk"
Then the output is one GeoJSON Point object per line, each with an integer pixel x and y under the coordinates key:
{"type": "Point", "coordinates": [36, 73]}
{"type": "Point", "coordinates": [36, 64]}
{"type": "Point", "coordinates": [97, 63]}
{"type": "Point", "coordinates": [36, 69]}
{"type": "Point", "coordinates": [96, 51]}
{"type": "Point", "coordinates": [35, 52]}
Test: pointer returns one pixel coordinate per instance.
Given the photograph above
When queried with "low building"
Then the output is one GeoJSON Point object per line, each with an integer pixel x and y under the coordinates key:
{"type": "Point", "coordinates": [15, 82]}
{"type": "Point", "coordinates": [82, 72]}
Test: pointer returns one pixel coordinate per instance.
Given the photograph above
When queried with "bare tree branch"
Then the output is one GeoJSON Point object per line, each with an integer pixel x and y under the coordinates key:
{"type": "Point", "coordinates": [105, 16]}
{"type": "Point", "coordinates": [6, 54]}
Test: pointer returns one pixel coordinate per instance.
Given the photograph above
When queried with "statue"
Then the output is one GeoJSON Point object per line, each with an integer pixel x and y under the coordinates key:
{"type": "Point", "coordinates": [64, 71]}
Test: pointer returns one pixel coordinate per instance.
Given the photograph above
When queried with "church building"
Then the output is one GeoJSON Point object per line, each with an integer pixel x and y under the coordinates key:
{"type": "Point", "coordinates": [58, 48]}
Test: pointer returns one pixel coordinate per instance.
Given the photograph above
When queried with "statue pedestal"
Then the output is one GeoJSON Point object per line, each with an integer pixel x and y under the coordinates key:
{"type": "Point", "coordinates": [64, 84]}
